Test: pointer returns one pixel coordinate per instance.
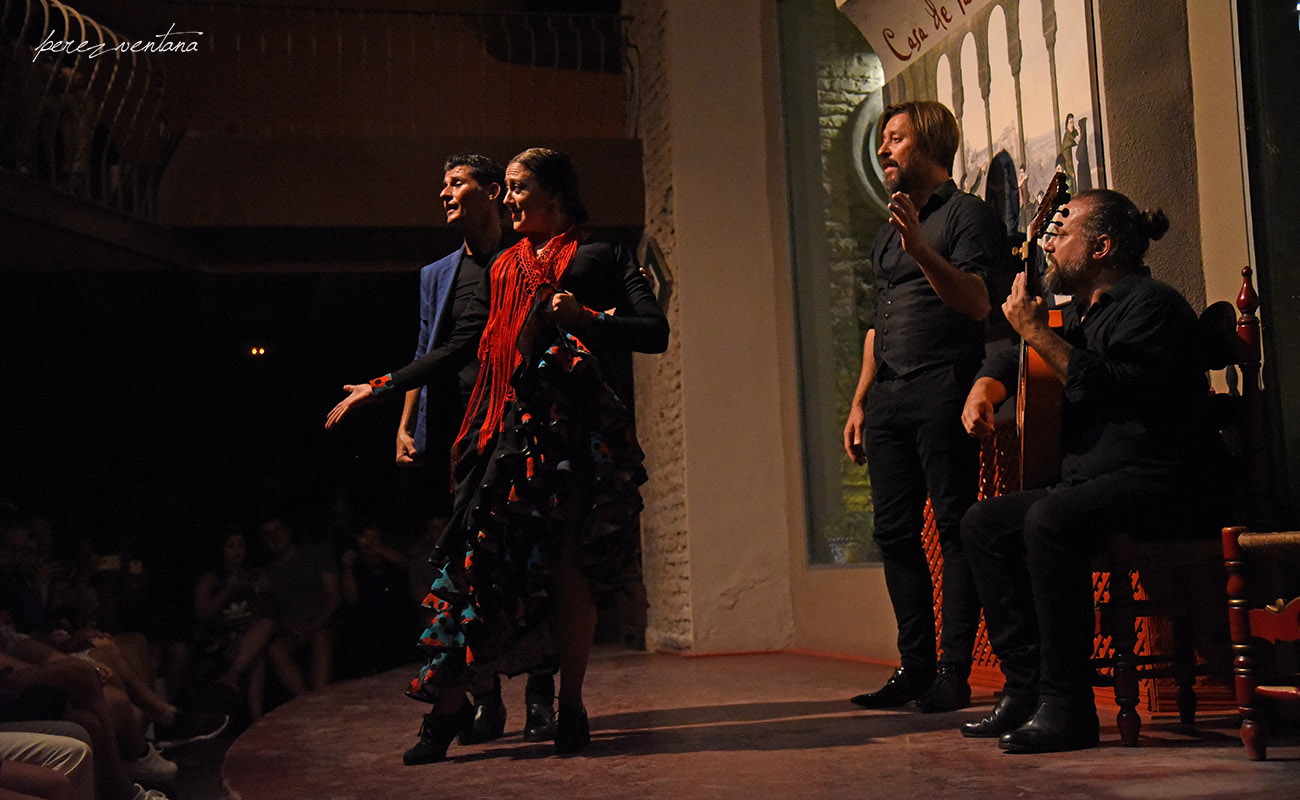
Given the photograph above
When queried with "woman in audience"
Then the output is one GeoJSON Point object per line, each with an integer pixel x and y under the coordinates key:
{"type": "Point", "coordinates": [233, 629]}
{"type": "Point", "coordinates": [546, 498]}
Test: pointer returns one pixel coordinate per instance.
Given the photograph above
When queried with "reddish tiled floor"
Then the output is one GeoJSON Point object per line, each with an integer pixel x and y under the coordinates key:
{"type": "Point", "coordinates": [756, 726]}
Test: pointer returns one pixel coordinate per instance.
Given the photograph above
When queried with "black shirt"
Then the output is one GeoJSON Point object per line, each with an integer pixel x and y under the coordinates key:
{"type": "Point", "coordinates": [468, 276]}
{"type": "Point", "coordinates": [915, 330]}
{"type": "Point", "coordinates": [1136, 393]}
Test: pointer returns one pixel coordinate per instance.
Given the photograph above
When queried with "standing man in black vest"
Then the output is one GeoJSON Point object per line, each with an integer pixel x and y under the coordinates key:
{"type": "Point", "coordinates": [932, 263]}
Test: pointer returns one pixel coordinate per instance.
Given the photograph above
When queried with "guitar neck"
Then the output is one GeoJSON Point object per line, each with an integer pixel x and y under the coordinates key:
{"type": "Point", "coordinates": [1033, 278]}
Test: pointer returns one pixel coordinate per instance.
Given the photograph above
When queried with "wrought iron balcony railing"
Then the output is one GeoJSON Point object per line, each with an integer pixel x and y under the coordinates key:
{"type": "Point", "coordinates": [85, 108]}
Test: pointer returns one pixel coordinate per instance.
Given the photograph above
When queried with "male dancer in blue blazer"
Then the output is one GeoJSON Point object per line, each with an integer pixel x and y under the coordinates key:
{"type": "Point", "coordinates": [472, 191]}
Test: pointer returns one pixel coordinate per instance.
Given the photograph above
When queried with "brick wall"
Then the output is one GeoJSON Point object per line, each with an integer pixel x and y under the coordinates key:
{"type": "Point", "coordinates": [665, 551]}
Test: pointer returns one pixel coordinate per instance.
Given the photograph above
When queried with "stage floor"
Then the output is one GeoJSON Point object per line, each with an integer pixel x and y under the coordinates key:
{"type": "Point", "coordinates": [750, 726]}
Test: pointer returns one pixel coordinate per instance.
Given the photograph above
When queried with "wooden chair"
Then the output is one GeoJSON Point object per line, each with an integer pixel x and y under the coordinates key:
{"type": "Point", "coordinates": [1146, 610]}
{"type": "Point", "coordinates": [1247, 555]}
{"type": "Point", "coordinates": [1254, 615]}
{"type": "Point", "coordinates": [1152, 630]}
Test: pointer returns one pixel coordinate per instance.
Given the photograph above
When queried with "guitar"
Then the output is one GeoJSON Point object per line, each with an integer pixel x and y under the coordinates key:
{"type": "Point", "coordinates": [1038, 399]}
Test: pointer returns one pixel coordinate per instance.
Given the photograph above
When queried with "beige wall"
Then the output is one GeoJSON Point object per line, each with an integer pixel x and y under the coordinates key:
{"type": "Point", "coordinates": [725, 557]}
{"type": "Point", "coordinates": [732, 280]}
{"type": "Point", "coordinates": [1225, 233]}
{"type": "Point", "coordinates": [1149, 131]}
{"type": "Point", "coordinates": [1174, 138]}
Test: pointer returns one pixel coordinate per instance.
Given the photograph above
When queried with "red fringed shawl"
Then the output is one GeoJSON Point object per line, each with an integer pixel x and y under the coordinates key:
{"type": "Point", "coordinates": [515, 277]}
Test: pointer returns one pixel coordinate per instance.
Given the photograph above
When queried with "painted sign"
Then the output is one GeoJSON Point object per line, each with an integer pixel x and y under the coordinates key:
{"type": "Point", "coordinates": [900, 31]}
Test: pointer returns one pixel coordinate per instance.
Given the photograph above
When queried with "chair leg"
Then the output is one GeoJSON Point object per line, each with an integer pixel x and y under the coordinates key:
{"type": "Point", "coordinates": [1254, 735]}
{"type": "Point", "coordinates": [1254, 731]}
{"type": "Point", "coordinates": [1124, 641]}
{"type": "Point", "coordinates": [1255, 738]}
{"type": "Point", "coordinates": [1185, 669]}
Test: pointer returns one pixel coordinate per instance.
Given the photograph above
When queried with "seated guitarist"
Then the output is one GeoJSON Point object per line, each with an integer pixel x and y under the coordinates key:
{"type": "Point", "coordinates": [1137, 445]}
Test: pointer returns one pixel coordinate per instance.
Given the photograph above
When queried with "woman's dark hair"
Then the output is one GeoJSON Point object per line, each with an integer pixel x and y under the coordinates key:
{"type": "Point", "coordinates": [1131, 230]}
{"type": "Point", "coordinates": [554, 171]}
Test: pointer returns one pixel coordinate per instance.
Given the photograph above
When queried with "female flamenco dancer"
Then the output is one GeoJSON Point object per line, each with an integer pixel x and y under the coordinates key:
{"type": "Point", "coordinates": [547, 463]}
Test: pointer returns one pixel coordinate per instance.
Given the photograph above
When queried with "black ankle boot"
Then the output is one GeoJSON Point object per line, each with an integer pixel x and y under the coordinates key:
{"type": "Point", "coordinates": [436, 733]}
{"type": "Point", "coordinates": [489, 720]}
{"type": "Point", "coordinates": [539, 697]}
{"type": "Point", "coordinates": [540, 724]}
{"type": "Point", "coordinates": [572, 731]}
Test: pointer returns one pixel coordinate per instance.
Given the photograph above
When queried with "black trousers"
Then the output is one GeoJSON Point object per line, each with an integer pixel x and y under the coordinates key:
{"type": "Point", "coordinates": [1029, 553]}
{"type": "Point", "coordinates": [916, 447]}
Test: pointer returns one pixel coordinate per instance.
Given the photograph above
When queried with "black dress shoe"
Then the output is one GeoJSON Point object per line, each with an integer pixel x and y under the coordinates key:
{"type": "Point", "coordinates": [489, 721]}
{"type": "Point", "coordinates": [572, 731]}
{"type": "Point", "coordinates": [949, 692]}
{"type": "Point", "coordinates": [1053, 728]}
{"type": "Point", "coordinates": [899, 690]}
{"type": "Point", "coordinates": [1010, 712]}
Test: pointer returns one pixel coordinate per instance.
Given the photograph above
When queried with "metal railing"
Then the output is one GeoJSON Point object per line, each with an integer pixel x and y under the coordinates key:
{"type": "Point", "coordinates": [85, 109]}
{"type": "Point", "coordinates": [269, 68]}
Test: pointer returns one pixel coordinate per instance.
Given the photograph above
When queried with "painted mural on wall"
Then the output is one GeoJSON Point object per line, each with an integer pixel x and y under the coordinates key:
{"type": "Point", "coordinates": [1020, 75]}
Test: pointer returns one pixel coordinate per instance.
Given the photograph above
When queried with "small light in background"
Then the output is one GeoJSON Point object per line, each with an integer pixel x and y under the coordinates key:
{"type": "Point", "coordinates": [257, 351]}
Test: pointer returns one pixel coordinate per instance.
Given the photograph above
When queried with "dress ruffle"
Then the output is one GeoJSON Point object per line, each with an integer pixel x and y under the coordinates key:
{"type": "Point", "coordinates": [566, 459]}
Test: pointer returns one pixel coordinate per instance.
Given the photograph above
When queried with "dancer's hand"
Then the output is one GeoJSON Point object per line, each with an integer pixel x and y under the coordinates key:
{"type": "Point", "coordinates": [358, 394]}
{"type": "Point", "coordinates": [405, 447]}
{"type": "Point", "coordinates": [566, 310]}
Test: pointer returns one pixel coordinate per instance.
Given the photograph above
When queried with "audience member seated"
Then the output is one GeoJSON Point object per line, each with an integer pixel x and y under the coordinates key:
{"type": "Point", "coordinates": [304, 594]}
{"type": "Point", "coordinates": [123, 665]}
{"type": "Point", "coordinates": [20, 780]}
{"type": "Point", "coordinates": [62, 748]}
{"type": "Point", "coordinates": [232, 627]}
{"type": "Point", "coordinates": [142, 587]}
{"type": "Point", "coordinates": [377, 618]}
{"type": "Point", "coordinates": [38, 684]}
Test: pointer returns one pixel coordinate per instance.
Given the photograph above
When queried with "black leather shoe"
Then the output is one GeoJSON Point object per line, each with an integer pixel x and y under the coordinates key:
{"type": "Point", "coordinates": [949, 692]}
{"type": "Point", "coordinates": [489, 722]}
{"type": "Point", "coordinates": [1053, 729]}
{"type": "Point", "coordinates": [572, 731]}
{"type": "Point", "coordinates": [1010, 712]}
{"type": "Point", "coordinates": [899, 690]}
{"type": "Point", "coordinates": [539, 725]}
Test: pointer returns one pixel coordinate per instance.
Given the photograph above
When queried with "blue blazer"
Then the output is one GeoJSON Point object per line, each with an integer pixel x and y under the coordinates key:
{"type": "Point", "coordinates": [437, 280]}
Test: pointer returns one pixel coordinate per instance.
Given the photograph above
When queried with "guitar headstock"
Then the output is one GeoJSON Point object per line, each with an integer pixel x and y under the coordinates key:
{"type": "Point", "coordinates": [1057, 195]}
